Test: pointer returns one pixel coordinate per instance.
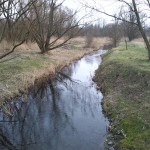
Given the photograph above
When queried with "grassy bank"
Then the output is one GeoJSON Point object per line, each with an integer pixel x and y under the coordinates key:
{"type": "Point", "coordinates": [124, 77]}
{"type": "Point", "coordinates": [21, 69]}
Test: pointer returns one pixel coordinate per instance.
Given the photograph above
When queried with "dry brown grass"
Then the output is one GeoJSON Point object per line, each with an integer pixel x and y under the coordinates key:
{"type": "Point", "coordinates": [138, 41]}
{"type": "Point", "coordinates": [20, 73]}
{"type": "Point", "coordinates": [97, 42]}
{"type": "Point", "coordinates": [78, 41]}
{"type": "Point", "coordinates": [100, 42]}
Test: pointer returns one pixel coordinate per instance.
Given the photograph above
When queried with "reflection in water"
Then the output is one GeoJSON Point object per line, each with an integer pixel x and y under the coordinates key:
{"type": "Point", "coordinates": [63, 115]}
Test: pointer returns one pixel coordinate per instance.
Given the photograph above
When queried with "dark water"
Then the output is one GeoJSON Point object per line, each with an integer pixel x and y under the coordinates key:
{"type": "Point", "coordinates": [65, 114]}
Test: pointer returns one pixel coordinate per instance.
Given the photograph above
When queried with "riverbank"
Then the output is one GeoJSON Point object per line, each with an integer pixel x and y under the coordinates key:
{"type": "Point", "coordinates": [124, 78]}
{"type": "Point", "coordinates": [42, 117]}
{"type": "Point", "coordinates": [25, 66]}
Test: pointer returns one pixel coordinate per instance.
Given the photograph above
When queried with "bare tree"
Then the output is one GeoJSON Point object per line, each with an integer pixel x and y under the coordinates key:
{"type": "Point", "coordinates": [89, 34]}
{"type": "Point", "coordinates": [135, 8]}
{"type": "Point", "coordinates": [130, 30]}
{"type": "Point", "coordinates": [114, 32]}
{"type": "Point", "coordinates": [12, 23]}
{"type": "Point", "coordinates": [141, 27]}
{"type": "Point", "coordinates": [50, 23]}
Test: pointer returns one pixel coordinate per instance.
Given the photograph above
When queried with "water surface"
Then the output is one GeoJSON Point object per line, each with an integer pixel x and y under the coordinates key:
{"type": "Point", "coordinates": [65, 114]}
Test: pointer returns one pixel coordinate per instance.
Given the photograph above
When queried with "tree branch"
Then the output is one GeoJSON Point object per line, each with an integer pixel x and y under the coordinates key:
{"type": "Point", "coordinates": [15, 46]}
{"type": "Point", "coordinates": [113, 16]}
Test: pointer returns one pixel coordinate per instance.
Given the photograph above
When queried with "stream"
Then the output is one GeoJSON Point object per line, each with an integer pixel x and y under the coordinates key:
{"type": "Point", "coordinates": [64, 114]}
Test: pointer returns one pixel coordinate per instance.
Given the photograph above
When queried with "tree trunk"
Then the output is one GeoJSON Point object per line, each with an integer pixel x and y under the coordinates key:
{"type": "Point", "coordinates": [141, 29]}
{"type": "Point", "coordinates": [43, 50]}
{"type": "Point", "coordinates": [126, 44]}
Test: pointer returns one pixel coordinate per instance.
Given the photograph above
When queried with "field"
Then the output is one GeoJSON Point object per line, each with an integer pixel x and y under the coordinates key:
{"type": "Point", "coordinates": [124, 78]}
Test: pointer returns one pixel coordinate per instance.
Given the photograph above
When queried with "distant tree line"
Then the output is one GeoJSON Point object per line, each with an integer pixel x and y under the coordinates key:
{"type": "Point", "coordinates": [117, 29]}
{"type": "Point", "coordinates": [133, 17]}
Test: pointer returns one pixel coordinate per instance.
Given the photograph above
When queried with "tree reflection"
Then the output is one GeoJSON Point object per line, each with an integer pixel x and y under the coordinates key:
{"type": "Point", "coordinates": [41, 119]}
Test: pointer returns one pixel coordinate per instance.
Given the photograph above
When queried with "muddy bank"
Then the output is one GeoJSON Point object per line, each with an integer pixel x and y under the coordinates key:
{"type": "Point", "coordinates": [124, 79]}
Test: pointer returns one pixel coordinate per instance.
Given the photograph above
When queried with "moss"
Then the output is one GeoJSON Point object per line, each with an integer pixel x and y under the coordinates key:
{"type": "Point", "coordinates": [124, 77]}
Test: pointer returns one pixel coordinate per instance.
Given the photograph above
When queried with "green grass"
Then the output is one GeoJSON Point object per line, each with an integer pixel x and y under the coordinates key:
{"type": "Point", "coordinates": [14, 67]}
{"type": "Point", "coordinates": [19, 74]}
{"type": "Point", "coordinates": [14, 75]}
{"type": "Point", "coordinates": [125, 79]}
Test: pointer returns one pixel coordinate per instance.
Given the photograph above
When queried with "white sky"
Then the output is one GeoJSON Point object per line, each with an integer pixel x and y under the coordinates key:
{"type": "Point", "coordinates": [109, 6]}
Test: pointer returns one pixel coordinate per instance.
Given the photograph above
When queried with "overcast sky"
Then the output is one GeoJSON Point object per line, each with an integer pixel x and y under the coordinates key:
{"type": "Point", "coordinates": [109, 6]}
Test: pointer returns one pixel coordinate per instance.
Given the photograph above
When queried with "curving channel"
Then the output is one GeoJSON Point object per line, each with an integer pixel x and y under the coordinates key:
{"type": "Point", "coordinates": [65, 114]}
